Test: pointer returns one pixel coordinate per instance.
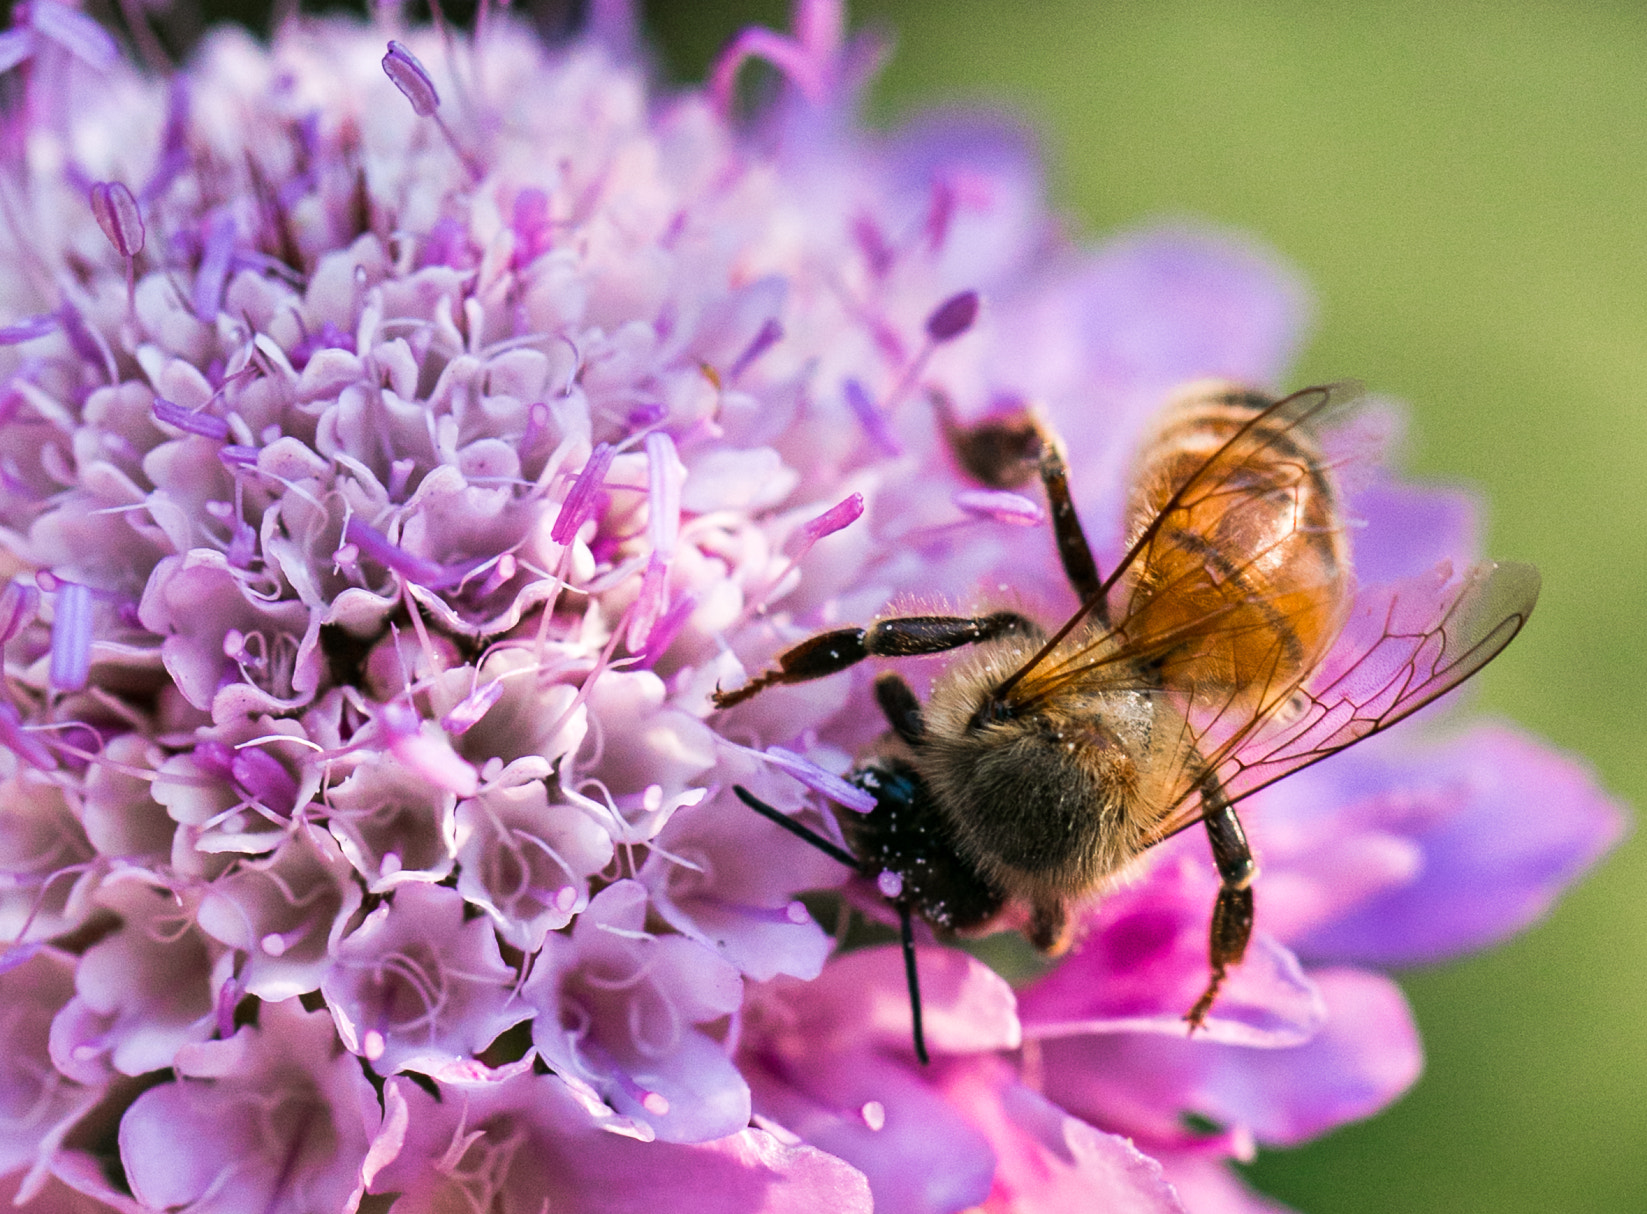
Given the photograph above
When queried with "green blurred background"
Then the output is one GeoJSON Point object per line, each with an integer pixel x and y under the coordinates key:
{"type": "Point", "coordinates": [1464, 186]}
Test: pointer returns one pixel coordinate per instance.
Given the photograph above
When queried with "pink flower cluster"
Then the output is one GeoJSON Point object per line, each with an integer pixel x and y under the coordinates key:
{"type": "Point", "coordinates": [386, 479]}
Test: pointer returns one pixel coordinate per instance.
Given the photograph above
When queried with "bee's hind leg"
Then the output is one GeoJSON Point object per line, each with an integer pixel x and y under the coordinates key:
{"type": "Point", "coordinates": [1232, 914]}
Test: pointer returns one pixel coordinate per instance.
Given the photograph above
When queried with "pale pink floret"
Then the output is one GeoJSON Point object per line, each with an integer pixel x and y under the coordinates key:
{"type": "Point", "coordinates": [416, 987]}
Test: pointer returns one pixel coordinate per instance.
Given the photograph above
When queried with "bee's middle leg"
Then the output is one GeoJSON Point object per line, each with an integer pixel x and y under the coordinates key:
{"type": "Point", "coordinates": [1232, 914]}
{"type": "Point", "coordinates": [1080, 566]}
{"type": "Point", "coordinates": [900, 707]}
{"type": "Point", "coordinates": [899, 637]}
{"type": "Point", "coordinates": [1002, 452]}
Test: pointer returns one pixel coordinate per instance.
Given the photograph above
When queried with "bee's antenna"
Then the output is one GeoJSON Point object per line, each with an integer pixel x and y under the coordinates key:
{"type": "Point", "coordinates": [907, 935]}
{"type": "Point", "coordinates": [795, 828]}
{"type": "Point", "coordinates": [906, 931]}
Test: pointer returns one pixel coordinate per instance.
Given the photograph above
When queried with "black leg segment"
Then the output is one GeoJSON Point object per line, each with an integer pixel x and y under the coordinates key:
{"type": "Point", "coordinates": [1232, 914]}
{"type": "Point", "coordinates": [902, 709]}
{"type": "Point", "coordinates": [900, 637]}
{"type": "Point", "coordinates": [1073, 550]}
{"type": "Point", "coordinates": [912, 976]}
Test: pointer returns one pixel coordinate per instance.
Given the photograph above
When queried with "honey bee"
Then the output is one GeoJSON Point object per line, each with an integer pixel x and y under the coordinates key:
{"type": "Point", "coordinates": [1228, 648]}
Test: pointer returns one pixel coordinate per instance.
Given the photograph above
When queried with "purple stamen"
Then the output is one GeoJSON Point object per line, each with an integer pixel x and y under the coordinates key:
{"type": "Point", "coordinates": [821, 781]}
{"type": "Point", "coordinates": [648, 604]}
{"type": "Point", "coordinates": [667, 628]}
{"type": "Point", "coordinates": [418, 570]}
{"type": "Point", "coordinates": [664, 477]}
{"type": "Point", "coordinates": [655, 1103]}
{"type": "Point", "coordinates": [533, 233]}
{"type": "Point", "coordinates": [29, 329]}
{"type": "Point", "coordinates": [80, 338]}
{"type": "Point", "coordinates": [17, 954]}
{"type": "Point", "coordinates": [890, 884]}
{"type": "Point", "coordinates": [870, 418]}
{"type": "Point", "coordinates": [15, 738]}
{"type": "Point", "coordinates": [75, 32]}
{"type": "Point", "coordinates": [503, 572]}
{"type": "Point", "coordinates": [770, 333]}
{"type": "Point", "coordinates": [1000, 506]}
{"type": "Point", "coordinates": [116, 213]}
{"type": "Point", "coordinates": [71, 637]}
{"type": "Point", "coordinates": [228, 996]}
{"type": "Point", "coordinates": [842, 514]}
{"type": "Point", "coordinates": [207, 425]}
{"type": "Point", "coordinates": [174, 142]}
{"type": "Point", "coordinates": [400, 475]}
{"type": "Point", "coordinates": [953, 317]}
{"type": "Point", "coordinates": [537, 423]}
{"type": "Point", "coordinates": [213, 274]}
{"type": "Point", "coordinates": [214, 757]}
{"type": "Point", "coordinates": [18, 603]}
{"type": "Point", "coordinates": [16, 46]}
{"type": "Point", "coordinates": [412, 79]}
{"type": "Point", "coordinates": [580, 501]}
{"type": "Point", "coordinates": [265, 780]}
{"type": "Point", "coordinates": [428, 757]}
{"type": "Point", "coordinates": [642, 416]}
{"type": "Point", "coordinates": [866, 233]}
{"type": "Point", "coordinates": [941, 214]}
{"type": "Point", "coordinates": [236, 456]}
{"type": "Point", "coordinates": [469, 710]}
{"type": "Point", "coordinates": [242, 545]}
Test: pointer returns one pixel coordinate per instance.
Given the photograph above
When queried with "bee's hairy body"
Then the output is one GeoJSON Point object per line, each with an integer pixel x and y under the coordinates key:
{"type": "Point", "coordinates": [1052, 802]}
{"type": "Point", "coordinates": [1041, 766]}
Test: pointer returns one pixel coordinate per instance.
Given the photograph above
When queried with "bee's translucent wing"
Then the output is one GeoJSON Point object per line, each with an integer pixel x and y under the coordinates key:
{"type": "Point", "coordinates": [1199, 595]}
{"type": "Point", "coordinates": [1402, 647]}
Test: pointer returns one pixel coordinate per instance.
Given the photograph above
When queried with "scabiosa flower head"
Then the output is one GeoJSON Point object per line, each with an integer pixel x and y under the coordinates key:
{"type": "Point", "coordinates": [401, 437]}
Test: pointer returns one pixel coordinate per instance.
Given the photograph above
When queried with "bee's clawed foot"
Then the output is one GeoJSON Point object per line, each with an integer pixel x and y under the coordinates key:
{"type": "Point", "coordinates": [1196, 1017]}
{"type": "Point", "coordinates": [726, 699]}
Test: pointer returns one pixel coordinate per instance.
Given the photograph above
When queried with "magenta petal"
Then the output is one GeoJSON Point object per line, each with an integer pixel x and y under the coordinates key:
{"type": "Point", "coordinates": [1146, 1085]}
{"type": "Point", "coordinates": [1210, 1186]}
{"type": "Point", "coordinates": [1410, 529]}
{"type": "Point", "coordinates": [1504, 825]}
{"type": "Point", "coordinates": [862, 998]}
{"type": "Point", "coordinates": [1175, 304]}
{"type": "Point", "coordinates": [1143, 963]}
{"type": "Point", "coordinates": [920, 1155]}
{"type": "Point", "coordinates": [574, 1161]}
{"type": "Point", "coordinates": [1048, 1160]}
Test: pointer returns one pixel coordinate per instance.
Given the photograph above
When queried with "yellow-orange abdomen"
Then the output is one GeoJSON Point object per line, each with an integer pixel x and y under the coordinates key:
{"type": "Point", "coordinates": [1244, 583]}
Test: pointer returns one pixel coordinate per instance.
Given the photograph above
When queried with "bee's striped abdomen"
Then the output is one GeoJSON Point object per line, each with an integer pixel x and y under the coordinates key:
{"type": "Point", "coordinates": [1242, 585]}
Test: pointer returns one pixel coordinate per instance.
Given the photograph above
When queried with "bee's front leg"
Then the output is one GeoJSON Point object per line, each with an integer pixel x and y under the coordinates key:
{"type": "Point", "coordinates": [1232, 914]}
{"type": "Point", "coordinates": [900, 637]}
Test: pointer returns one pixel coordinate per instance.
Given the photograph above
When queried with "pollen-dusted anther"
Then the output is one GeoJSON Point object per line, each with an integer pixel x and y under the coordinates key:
{"type": "Point", "coordinates": [412, 79]}
{"type": "Point", "coordinates": [953, 317]}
